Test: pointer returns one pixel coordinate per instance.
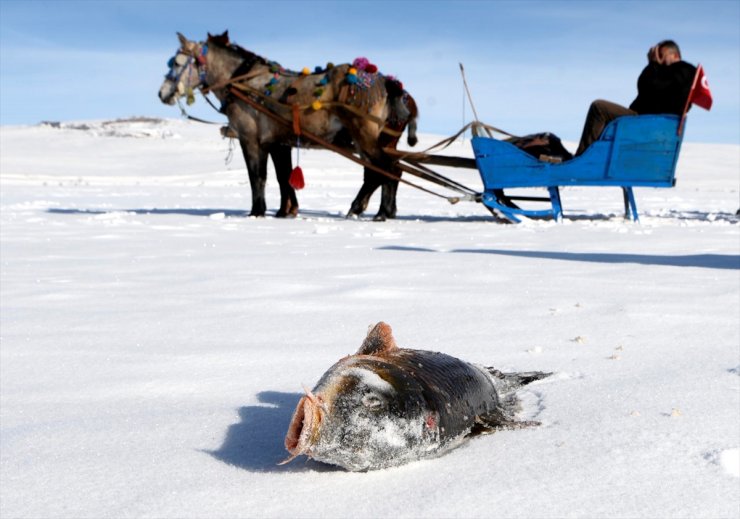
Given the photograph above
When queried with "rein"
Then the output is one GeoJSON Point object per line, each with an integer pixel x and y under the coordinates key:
{"type": "Point", "coordinates": [189, 117]}
{"type": "Point", "coordinates": [244, 77]}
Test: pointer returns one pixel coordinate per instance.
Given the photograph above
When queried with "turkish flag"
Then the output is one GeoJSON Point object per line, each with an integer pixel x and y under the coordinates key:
{"type": "Point", "coordinates": [700, 94]}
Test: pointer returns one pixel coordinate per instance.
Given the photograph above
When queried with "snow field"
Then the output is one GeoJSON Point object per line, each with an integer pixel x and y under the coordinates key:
{"type": "Point", "coordinates": [154, 340]}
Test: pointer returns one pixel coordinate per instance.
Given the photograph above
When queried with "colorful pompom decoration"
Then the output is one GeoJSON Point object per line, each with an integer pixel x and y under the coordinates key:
{"type": "Point", "coordinates": [360, 63]}
{"type": "Point", "coordinates": [305, 71]}
{"type": "Point", "coordinates": [329, 65]}
{"type": "Point", "coordinates": [317, 70]}
{"type": "Point", "coordinates": [371, 69]}
{"type": "Point", "coordinates": [352, 76]}
{"type": "Point", "coordinates": [316, 105]}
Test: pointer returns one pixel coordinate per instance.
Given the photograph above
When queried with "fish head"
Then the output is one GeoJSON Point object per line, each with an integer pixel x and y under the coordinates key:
{"type": "Point", "coordinates": [364, 413]}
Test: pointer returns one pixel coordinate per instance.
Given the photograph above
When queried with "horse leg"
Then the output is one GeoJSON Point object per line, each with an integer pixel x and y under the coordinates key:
{"type": "Point", "coordinates": [389, 189]}
{"type": "Point", "coordinates": [256, 159]}
{"type": "Point", "coordinates": [283, 163]}
{"type": "Point", "coordinates": [387, 201]}
{"type": "Point", "coordinates": [370, 182]}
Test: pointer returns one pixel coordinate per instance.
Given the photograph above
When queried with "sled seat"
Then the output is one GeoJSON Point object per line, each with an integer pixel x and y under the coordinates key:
{"type": "Point", "coordinates": [632, 151]}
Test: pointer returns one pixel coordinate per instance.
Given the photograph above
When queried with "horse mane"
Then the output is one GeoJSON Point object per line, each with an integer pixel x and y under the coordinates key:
{"type": "Point", "coordinates": [249, 58]}
{"type": "Point", "coordinates": [366, 93]}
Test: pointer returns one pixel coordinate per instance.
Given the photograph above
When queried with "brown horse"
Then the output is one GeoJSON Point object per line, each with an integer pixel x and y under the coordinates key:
{"type": "Point", "coordinates": [358, 109]}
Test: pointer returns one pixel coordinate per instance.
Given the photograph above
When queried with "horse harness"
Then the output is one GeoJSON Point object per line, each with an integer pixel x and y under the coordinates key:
{"type": "Point", "coordinates": [236, 87]}
{"type": "Point", "coordinates": [238, 81]}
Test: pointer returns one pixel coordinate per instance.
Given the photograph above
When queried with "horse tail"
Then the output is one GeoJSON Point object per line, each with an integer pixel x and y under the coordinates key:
{"type": "Point", "coordinates": [413, 114]}
{"type": "Point", "coordinates": [403, 109]}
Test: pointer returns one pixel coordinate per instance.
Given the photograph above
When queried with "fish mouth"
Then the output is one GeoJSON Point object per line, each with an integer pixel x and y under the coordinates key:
{"type": "Point", "coordinates": [304, 426]}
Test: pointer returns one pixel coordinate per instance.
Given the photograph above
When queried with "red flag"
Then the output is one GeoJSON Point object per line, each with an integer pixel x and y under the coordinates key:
{"type": "Point", "coordinates": [700, 94]}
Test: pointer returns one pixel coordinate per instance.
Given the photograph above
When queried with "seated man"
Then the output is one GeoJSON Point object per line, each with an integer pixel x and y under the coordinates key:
{"type": "Point", "coordinates": [662, 88]}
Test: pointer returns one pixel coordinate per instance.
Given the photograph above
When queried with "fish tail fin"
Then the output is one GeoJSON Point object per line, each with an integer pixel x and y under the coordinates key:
{"type": "Point", "coordinates": [498, 420]}
{"type": "Point", "coordinates": [512, 381]}
{"type": "Point", "coordinates": [504, 416]}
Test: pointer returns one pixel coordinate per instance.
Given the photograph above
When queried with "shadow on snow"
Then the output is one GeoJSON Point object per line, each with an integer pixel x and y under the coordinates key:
{"type": "Point", "coordinates": [334, 215]}
{"type": "Point", "coordinates": [713, 261]}
{"type": "Point", "coordinates": [239, 213]}
{"type": "Point", "coordinates": [256, 443]}
{"type": "Point", "coordinates": [184, 211]}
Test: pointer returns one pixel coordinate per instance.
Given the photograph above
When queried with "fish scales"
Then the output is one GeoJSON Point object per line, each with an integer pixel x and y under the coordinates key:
{"type": "Point", "coordinates": [457, 390]}
{"type": "Point", "coordinates": [386, 406]}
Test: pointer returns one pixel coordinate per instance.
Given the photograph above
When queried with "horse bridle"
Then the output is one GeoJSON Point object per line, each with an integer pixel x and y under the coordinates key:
{"type": "Point", "coordinates": [185, 60]}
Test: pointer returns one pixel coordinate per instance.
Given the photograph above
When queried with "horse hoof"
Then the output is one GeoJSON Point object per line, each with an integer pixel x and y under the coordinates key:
{"type": "Point", "coordinates": [352, 216]}
{"type": "Point", "coordinates": [379, 218]}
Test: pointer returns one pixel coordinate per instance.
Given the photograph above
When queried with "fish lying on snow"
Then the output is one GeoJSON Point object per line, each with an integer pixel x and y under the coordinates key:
{"type": "Point", "coordinates": [386, 406]}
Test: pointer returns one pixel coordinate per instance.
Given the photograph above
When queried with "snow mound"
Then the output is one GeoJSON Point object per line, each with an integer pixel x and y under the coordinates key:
{"type": "Point", "coordinates": [133, 127]}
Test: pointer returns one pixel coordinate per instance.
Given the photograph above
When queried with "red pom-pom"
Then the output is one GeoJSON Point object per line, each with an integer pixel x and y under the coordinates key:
{"type": "Point", "coordinates": [296, 179]}
{"type": "Point", "coordinates": [360, 63]}
{"type": "Point", "coordinates": [371, 69]}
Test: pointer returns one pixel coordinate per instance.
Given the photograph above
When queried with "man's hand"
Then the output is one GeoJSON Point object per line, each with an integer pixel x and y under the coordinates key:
{"type": "Point", "coordinates": [654, 55]}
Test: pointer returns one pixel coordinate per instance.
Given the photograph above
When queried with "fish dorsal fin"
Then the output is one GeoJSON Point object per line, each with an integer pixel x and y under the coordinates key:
{"type": "Point", "coordinates": [379, 340]}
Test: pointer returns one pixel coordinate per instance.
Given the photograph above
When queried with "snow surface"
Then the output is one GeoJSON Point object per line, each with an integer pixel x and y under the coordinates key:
{"type": "Point", "coordinates": [154, 339]}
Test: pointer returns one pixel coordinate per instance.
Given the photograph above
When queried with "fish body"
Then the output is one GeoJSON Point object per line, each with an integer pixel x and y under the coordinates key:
{"type": "Point", "coordinates": [387, 406]}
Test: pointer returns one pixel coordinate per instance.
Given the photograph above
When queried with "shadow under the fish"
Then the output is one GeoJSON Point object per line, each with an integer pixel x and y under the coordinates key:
{"type": "Point", "coordinates": [256, 443]}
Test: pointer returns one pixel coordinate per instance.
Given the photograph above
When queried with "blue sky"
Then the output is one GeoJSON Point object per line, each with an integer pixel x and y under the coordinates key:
{"type": "Point", "coordinates": [531, 66]}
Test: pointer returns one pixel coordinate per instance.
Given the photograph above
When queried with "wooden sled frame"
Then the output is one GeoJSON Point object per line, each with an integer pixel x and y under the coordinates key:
{"type": "Point", "coordinates": [633, 151]}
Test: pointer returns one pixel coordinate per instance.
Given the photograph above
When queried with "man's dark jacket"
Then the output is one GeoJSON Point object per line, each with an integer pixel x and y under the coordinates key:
{"type": "Point", "coordinates": [663, 89]}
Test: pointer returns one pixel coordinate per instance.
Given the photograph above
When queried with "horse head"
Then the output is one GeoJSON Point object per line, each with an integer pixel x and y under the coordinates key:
{"type": "Point", "coordinates": [187, 72]}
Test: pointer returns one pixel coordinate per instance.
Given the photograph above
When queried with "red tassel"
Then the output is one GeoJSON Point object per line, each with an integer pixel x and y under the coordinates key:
{"type": "Point", "coordinates": [296, 180]}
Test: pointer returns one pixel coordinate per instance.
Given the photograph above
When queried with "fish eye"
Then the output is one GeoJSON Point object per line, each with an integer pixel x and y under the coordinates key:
{"type": "Point", "coordinates": [372, 401]}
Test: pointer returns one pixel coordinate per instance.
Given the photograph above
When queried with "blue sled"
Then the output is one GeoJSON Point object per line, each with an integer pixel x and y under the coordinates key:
{"type": "Point", "coordinates": [639, 150]}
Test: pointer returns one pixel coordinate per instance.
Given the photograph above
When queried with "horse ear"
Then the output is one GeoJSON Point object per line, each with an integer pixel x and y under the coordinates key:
{"type": "Point", "coordinates": [183, 40]}
{"type": "Point", "coordinates": [219, 39]}
{"type": "Point", "coordinates": [379, 340]}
